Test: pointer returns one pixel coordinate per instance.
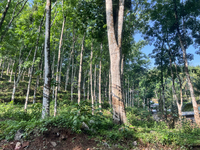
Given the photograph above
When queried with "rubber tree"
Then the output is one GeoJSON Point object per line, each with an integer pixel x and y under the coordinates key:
{"type": "Point", "coordinates": [47, 66]}
{"type": "Point", "coordinates": [114, 40]}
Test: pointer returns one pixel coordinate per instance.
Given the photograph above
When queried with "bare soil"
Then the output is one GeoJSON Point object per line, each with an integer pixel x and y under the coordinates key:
{"type": "Point", "coordinates": [54, 139]}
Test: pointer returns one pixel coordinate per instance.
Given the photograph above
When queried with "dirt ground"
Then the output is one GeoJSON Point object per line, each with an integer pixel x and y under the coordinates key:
{"type": "Point", "coordinates": [54, 139]}
{"type": "Point", "coordinates": [64, 139]}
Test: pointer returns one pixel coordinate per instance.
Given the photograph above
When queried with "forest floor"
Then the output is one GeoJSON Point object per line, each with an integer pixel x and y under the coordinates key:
{"type": "Point", "coordinates": [56, 133]}
{"type": "Point", "coordinates": [64, 139]}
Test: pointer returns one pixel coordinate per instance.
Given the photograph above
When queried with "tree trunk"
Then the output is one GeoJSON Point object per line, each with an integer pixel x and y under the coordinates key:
{"type": "Point", "coordinates": [100, 78]}
{"type": "Point", "coordinates": [72, 77]}
{"type": "Point", "coordinates": [52, 67]}
{"type": "Point", "coordinates": [80, 70]}
{"type": "Point", "coordinates": [88, 89]}
{"type": "Point", "coordinates": [95, 83]}
{"type": "Point", "coordinates": [70, 59]}
{"type": "Point", "coordinates": [8, 68]}
{"type": "Point", "coordinates": [4, 13]}
{"type": "Point", "coordinates": [32, 66]}
{"type": "Point", "coordinates": [47, 71]}
{"type": "Point", "coordinates": [173, 85]}
{"type": "Point", "coordinates": [119, 115]}
{"type": "Point", "coordinates": [58, 66]}
{"type": "Point", "coordinates": [36, 86]}
{"type": "Point", "coordinates": [84, 84]}
{"type": "Point", "coordinates": [72, 87]}
{"type": "Point", "coordinates": [12, 71]}
{"type": "Point", "coordinates": [60, 71]}
{"type": "Point", "coordinates": [109, 90]}
{"type": "Point", "coordinates": [92, 97]}
{"type": "Point", "coordinates": [3, 68]}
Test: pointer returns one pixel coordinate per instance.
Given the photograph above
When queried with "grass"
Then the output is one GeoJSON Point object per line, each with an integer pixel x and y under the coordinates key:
{"type": "Point", "coordinates": [70, 115]}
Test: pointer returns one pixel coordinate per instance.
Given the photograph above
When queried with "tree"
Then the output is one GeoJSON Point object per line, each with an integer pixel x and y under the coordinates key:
{"type": "Point", "coordinates": [47, 66]}
{"type": "Point", "coordinates": [114, 40]}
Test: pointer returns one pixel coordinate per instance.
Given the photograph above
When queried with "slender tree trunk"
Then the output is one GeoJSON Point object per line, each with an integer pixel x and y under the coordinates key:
{"type": "Point", "coordinates": [67, 73]}
{"type": "Point", "coordinates": [88, 89]}
{"type": "Point", "coordinates": [47, 71]}
{"type": "Point", "coordinates": [0, 62]}
{"type": "Point", "coordinates": [173, 85]}
{"type": "Point", "coordinates": [58, 66]}
{"type": "Point", "coordinates": [84, 84]}
{"type": "Point", "coordinates": [119, 114]}
{"type": "Point", "coordinates": [21, 70]}
{"type": "Point", "coordinates": [32, 66]}
{"type": "Point", "coordinates": [3, 68]}
{"type": "Point", "coordinates": [80, 71]}
{"type": "Point", "coordinates": [100, 79]}
{"type": "Point", "coordinates": [109, 90]}
{"type": "Point", "coordinates": [95, 83]}
{"type": "Point", "coordinates": [12, 71]}
{"type": "Point", "coordinates": [72, 88]}
{"type": "Point", "coordinates": [60, 71]}
{"type": "Point", "coordinates": [8, 67]}
{"type": "Point", "coordinates": [53, 63]}
{"type": "Point", "coordinates": [182, 41]}
{"type": "Point", "coordinates": [70, 59]}
{"type": "Point", "coordinates": [36, 86]}
{"type": "Point", "coordinates": [92, 96]}
{"type": "Point", "coordinates": [72, 77]}
{"type": "Point", "coordinates": [4, 13]}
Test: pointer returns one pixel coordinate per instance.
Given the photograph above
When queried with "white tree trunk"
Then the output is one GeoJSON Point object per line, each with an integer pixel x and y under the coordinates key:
{"type": "Point", "coordinates": [92, 97]}
{"type": "Point", "coordinates": [119, 115]}
{"type": "Point", "coordinates": [100, 79]}
{"type": "Point", "coordinates": [80, 71]}
{"type": "Point", "coordinates": [58, 66]}
{"type": "Point", "coordinates": [8, 68]}
{"type": "Point", "coordinates": [47, 66]}
{"type": "Point", "coordinates": [3, 68]}
{"type": "Point", "coordinates": [32, 66]}
{"type": "Point", "coordinates": [12, 71]}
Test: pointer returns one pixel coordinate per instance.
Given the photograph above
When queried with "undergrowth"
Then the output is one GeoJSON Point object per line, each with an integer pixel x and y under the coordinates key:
{"type": "Point", "coordinates": [100, 125]}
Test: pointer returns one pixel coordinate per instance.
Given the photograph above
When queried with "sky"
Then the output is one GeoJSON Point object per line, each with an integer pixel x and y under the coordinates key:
{"type": "Point", "coordinates": [148, 49]}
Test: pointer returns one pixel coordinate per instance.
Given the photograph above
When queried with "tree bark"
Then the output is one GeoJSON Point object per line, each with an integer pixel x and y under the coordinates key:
{"type": "Point", "coordinates": [88, 88]}
{"type": "Point", "coordinates": [3, 68]}
{"type": "Point", "coordinates": [80, 70]}
{"type": "Point", "coordinates": [100, 78]}
{"type": "Point", "coordinates": [70, 59]}
{"type": "Point", "coordinates": [72, 77]}
{"type": "Point", "coordinates": [60, 71]}
{"type": "Point", "coordinates": [32, 66]}
{"type": "Point", "coordinates": [119, 115]}
{"type": "Point", "coordinates": [36, 86]}
{"type": "Point", "coordinates": [52, 67]}
{"type": "Point", "coordinates": [58, 66]}
{"type": "Point", "coordinates": [92, 97]}
{"type": "Point", "coordinates": [12, 71]}
{"type": "Point", "coordinates": [47, 71]}
{"type": "Point", "coordinates": [95, 83]}
{"type": "Point", "coordinates": [173, 85]}
{"type": "Point", "coordinates": [8, 68]}
{"type": "Point", "coordinates": [110, 90]}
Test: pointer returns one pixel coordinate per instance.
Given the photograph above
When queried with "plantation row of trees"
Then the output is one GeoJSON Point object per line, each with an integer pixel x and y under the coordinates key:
{"type": "Point", "coordinates": [68, 44]}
